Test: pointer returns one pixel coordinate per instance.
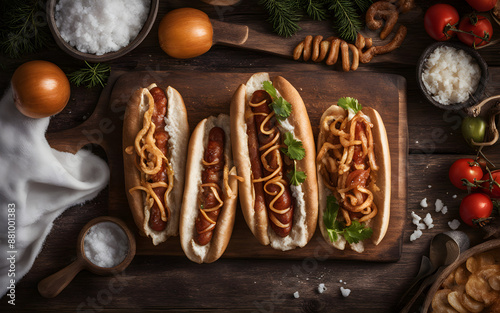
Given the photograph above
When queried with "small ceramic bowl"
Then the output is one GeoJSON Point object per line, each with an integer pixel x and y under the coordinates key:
{"type": "Point", "coordinates": [66, 47]}
{"type": "Point", "coordinates": [475, 97]}
{"type": "Point", "coordinates": [491, 245]}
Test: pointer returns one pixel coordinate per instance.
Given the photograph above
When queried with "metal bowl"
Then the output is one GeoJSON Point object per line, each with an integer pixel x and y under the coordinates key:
{"type": "Point", "coordinates": [66, 47]}
{"type": "Point", "coordinates": [475, 97]}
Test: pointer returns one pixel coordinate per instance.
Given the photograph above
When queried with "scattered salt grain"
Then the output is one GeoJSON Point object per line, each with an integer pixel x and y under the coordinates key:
{"type": "Point", "coordinates": [420, 226]}
{"type": "Point", "coordinates": [429, 186]}
{"type": "Point", "coordinates": [321, 288]}
{"type": "Point", "coordinates": [416, 234]}
{"type": "Point", "coordinates": [428, 221]}
{"type": "Point", "coordinates": [444, 210]}
{"type": "Point", "coordinates": [454, 224]}
{"type": "Point", "coordinates": [415, 217]}
{"type": "Point", "coordinates": [345, 292]}
{"type": "Point", "coordinates": [296, 295]}
{"type": "Point", "coordinates": [454, 196]}
{"type": "Point", "coordinates": [423, 203]}
{"type": "Point", "coordinates": [439, 205]}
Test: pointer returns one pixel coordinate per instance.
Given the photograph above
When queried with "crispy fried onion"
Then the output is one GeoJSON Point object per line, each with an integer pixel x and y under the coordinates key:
{"type": "Point", "coordinates": [270, 152]}
{"type": "Point", "coordinates": [348, 147]}
{"type": "Point", "coordinates": [149, 162]}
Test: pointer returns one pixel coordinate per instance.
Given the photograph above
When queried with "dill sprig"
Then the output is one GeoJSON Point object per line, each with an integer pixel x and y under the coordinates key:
{"type": "Point", "coordinates": [348, 22]}
{"type": "Point", "coordinates": [90, 76]}
{"type": "Point", "coordinates": [24, 28]}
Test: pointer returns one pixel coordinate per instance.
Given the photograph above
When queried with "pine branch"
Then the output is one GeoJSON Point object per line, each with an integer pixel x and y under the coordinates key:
{"type": "Point", "coordinates": [315, 9]}
{"type": "Point", "coordinates": [363, 5]}
{"type": "Point", "coordinates": [283, 16]}
{"type": "Point", "coordinates": [347, 20]}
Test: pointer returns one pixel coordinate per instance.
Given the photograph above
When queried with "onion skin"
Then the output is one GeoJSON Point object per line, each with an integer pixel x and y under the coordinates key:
{"type": "Point", "coordinates": [185, 33]}
{"type": "Point", "coordinates": [40, 89]}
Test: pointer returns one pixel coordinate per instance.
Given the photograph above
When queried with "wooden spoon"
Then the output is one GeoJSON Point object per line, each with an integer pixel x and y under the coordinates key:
{"type": "Point", "coordinates": [53, 285]}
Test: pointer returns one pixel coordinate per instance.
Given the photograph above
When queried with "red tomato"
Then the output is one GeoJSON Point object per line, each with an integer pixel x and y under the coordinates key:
{"type": "Point", "coordinates": [481, 28]}
{"type": "Point", "coordinates": [494, 192]}
{"type": "Point", "coordinates": [475, 206]}
{"type": "Point", "coordinates": [464, 169]}
{"type": "Point", "coordinates": [482, 5]}
{"type": "Point", "coordinates": [438, 19]}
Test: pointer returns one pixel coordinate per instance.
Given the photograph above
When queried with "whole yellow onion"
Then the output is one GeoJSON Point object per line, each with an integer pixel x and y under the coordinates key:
{"type": "Point", "coordinates": [185, 33]}
{"type": "Point", "coordinates": [40, 89]}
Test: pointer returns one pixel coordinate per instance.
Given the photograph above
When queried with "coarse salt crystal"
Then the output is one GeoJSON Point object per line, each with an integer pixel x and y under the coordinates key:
{"type": "Point", "coordinates": [454, 196]}
{"type": "Point", "coordinates": [296, 295]}
{"type": "Point", "coordinates": [454, 224]}
{"type": "Point", "coordinates": [321, 288]}
{"type": "Point", "coordinates": [428, 221]}
{"type": "Point", "coordinates": [420, 226]}
{"type": "Point", "coordinates": [444, 210]}
{"type": "Point", "coordinates": [429, 186]}
{"type": "Point", "coordinates": [439, 205]}
{"type": "Point", "coordinates": [423, 203]}
{"type": "Point", "coordinates": [416, 234]}
{"type": "Point", "coordinates": [415, 217]}
{"type": "Point", "coordinates": [105, 244]}
{"type": "Point", "coordinates": [345, 292]}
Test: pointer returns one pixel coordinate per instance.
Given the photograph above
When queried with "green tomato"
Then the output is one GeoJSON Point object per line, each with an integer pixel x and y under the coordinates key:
{"type": "Point", "coordinates": [473, 128]}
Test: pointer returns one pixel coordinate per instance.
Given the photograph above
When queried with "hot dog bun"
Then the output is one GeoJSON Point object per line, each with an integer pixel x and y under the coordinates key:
{"type": "Point", "coordinates": [305, 195]}
{"type": "Point", "coordinates": [178, 129]}
{"type": "Point", "coordinates": [381, 197]}
{"type": "Point", "coordinates": [190, 207]}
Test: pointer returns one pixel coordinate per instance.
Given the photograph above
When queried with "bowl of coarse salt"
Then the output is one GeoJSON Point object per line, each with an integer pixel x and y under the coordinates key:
{"type": "Point", "coordinates": [99, 31]}
{"type": "Point", "coordinates": [451, 75]}
{"type": "Point", "coordinates": [105, 246]}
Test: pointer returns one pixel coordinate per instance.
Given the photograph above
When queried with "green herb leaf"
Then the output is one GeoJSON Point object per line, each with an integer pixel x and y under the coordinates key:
{"type": "Point", "coordinates": [333, 226]}
{"type": "Point", "coordinates": [280, 106]}
{"type": "Point", "coordinates": [357, 232]}
{"type": "Point", "coordinates": [315, 9]}
{"type": "Point", "coordinates": [350, 104]}
{"type": "Point", "coordinates": [294, 148]}
{"type": "Point", "coordinates": [354, 233]}
{"type": "Point", "coordinates": [296, 177]}
{"type": "Point", "coordinates": [91, 76]}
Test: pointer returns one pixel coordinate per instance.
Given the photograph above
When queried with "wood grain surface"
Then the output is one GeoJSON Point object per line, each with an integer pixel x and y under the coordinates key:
{"type": "Point", "coordinates": [173, 283]}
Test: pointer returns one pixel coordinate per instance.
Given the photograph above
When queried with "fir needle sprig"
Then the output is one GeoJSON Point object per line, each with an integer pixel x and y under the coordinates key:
{"type": "Point", "coordinates": [23, 28]}
{"type": "Point", "coordinates": [90, 76]}
{"type": "Point", "coordinates": [346, 15]}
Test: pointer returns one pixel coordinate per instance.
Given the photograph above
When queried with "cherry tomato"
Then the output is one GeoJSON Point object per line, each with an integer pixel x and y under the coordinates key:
{"type": "Point", "coordinates": [438, 20]}
{"type": "Point", "coordinates": [473, 128]}
{"type": "Point", "coordinates": [464, 169]}
{"type": "Point", "coordinates": [494, 192]}
{"type": "Point", "coordinates": [479, 26]}
{"type": "Point", "coordinates": [475, 206]}
{"type": "Point", "coordinates": [482, 5]}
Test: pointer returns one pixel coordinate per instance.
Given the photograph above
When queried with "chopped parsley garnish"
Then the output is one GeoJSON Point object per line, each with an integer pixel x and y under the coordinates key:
{"type": "Point", "coordinates": [350, 104]}
{"type": "Point", "coordinates": [294, 149]}
{"type": "Point", "coordinates": [280, 106]}
{"type": "Point", "coordinates": [354, 233]}
{"type": "Point", "coordinates": [296, 177]}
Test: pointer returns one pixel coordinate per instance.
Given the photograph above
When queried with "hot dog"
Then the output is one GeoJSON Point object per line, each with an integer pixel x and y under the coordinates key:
{"type": "Point", "coordinates": [209, 201]}
{"type": "Point", "coordinates": [354, 172]}
{"type": "Point", "coordinates": [273, 149]}
{"type": "Point", "coordinates": [155, 134]}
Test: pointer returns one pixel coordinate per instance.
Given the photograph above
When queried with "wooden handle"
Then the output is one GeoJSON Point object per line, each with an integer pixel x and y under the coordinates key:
{"type": "Point", "coordinates": [55, 283]}
{"type": "Point", "coordinates": [229, 34]}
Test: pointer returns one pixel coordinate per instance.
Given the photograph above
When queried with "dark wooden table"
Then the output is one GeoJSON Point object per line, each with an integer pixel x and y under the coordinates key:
{"type": "Point", "coordinates": [257, 285]}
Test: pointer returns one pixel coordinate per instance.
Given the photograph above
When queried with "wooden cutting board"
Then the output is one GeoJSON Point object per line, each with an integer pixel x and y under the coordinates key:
{"type": "Point", "coordinates": [208, 94]}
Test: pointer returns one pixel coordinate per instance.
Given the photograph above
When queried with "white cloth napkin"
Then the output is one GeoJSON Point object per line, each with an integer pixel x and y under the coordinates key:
{"type": "Point", "coordinates": [37, 183]}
